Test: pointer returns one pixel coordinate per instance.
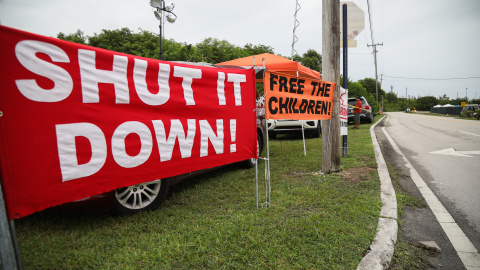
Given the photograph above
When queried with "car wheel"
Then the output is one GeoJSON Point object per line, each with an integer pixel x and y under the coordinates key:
{"type": "Point", "coordinates": [142, 197]}
{"type": "Point", "coordinates": [318, 131]}
{"type": "Point", "coordinates": [370, 119]}
{"type": "Point", "coordinates": [250, 163]}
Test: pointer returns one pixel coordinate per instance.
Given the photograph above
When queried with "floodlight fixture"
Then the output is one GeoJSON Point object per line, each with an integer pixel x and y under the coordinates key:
{"type": "Point", "coordinates": [157, 15]}
{"type": "Point", "coordinates": [160, 9]}
{"type": "Point", "coordinates": [156, 3]}
{"type": "Point", "coordinates": [171, 17]}
{"type": "Point", "coordinates": [169, 7]}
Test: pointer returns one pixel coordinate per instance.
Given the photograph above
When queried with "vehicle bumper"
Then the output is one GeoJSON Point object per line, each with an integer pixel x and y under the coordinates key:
{"type": "Point", "coordinates": [363, 116]}
{"type": "Point", "coordinates": [285, 126]}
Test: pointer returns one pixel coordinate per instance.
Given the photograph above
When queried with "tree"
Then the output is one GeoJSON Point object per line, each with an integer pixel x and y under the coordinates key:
{"type": "Point", "coordinates": [369, 84]}
{"type": "Point", "coordinates": [391, 97]}
{"type": "Point", "coordinates": [257, 49]}
{"type": "Point", "coordinates": [124, 40]}
{"type": "Point", "coordinates": [475, 101]}
{"type": "Point", "coordinates": [312, 59]}
{"type": "Point", "coordinates": [146, 44]}
{"type": "Point", "coordinates": [213, 50]}
{"type": "Point", "coordinates": [356, 89]}
{"type": "Point", "coordinates": [425, 103]}
{"type": "Point", "coordinates": [77, 37]}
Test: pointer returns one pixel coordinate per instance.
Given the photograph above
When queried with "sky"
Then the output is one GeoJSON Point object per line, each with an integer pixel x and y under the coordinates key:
{"type": "Point", "coordinates": [430, 47]}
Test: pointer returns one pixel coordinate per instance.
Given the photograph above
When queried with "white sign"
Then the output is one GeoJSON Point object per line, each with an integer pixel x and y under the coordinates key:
{"type": "Point", "coordinates": [343, 111]}
{"type": "Point", "coordinates": [355, 22]}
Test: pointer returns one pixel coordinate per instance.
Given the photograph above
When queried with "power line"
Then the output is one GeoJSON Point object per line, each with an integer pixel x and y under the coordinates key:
{"type": "Point", "coordinates": [432, 79]}
{"type": "Point", "coordinates": [370, 20]}
{"type": "Point", "coordinates": [349, 53]}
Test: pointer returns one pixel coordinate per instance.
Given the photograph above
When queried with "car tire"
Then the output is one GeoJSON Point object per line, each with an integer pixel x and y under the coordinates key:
{"type": "Point", "coordinates": [370, 119]}
{"type": "Point", "coordinates": [318, 131]}
{"type": "Point", "coordinates": [250, 163]}
{"type": "Point", "coordinates": [138, 198]}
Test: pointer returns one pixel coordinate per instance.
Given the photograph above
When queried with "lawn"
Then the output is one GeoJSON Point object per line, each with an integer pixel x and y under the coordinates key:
{"type": "Point", "coordinates": [211, 221]}
{"type": "Point", "coordinates": [453, 116]}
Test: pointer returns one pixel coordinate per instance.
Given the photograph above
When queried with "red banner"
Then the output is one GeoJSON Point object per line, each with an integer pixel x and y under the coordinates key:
{"type": "Point", "coordinates": [296, 98]}
{"type": "Point", "coordinates": [76, 121]}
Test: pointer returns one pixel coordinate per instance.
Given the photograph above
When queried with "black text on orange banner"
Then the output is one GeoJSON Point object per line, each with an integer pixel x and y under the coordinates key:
{"type": "Point", "coordinates": [296, 98]}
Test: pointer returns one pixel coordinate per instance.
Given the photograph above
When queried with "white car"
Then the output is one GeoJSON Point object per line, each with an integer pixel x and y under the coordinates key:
{"type": "Point", "coordinates": [314, 127]}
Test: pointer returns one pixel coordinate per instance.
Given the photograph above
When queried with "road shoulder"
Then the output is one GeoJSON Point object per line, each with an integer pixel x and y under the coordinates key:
{"type": "Point", "coordinates": [419, 224]}
{"type": "Point", "coordinates": [382, 247]}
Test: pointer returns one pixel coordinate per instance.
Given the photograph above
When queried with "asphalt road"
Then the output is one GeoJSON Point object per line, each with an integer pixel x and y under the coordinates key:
{"type": "Point", "coordinates": [446, 154]}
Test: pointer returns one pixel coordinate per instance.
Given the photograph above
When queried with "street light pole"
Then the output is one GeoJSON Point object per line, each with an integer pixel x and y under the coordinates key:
{"type": "Point", "coordinates": [160, 9]}
{"type": "Point", "coordinates": [160, 52]}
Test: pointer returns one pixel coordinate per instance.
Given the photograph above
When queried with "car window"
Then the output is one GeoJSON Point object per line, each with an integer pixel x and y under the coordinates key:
{"type": "Point", "coordinates": [354, 101]}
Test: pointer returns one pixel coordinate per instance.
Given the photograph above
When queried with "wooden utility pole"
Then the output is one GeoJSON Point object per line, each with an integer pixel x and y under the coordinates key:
{"type": "Point", "coordinates": [376, 76]}
{"type": "Point", "coordinates": [331, 146]}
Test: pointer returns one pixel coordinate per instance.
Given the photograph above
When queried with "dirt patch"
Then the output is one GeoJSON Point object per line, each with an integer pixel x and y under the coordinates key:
{"type": "Point", "coordinates": [358, 174]}
{"type": "Point", "coordinates": [301, 175]}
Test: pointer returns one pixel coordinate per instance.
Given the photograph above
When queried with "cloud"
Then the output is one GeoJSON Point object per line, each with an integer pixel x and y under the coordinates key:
{"type": "Point", "coordinates": [429, 39]}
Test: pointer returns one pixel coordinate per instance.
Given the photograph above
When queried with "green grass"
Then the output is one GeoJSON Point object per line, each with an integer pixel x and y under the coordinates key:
{"type": "Point", "coordinates": [452, 116]}
{"type": "Point", "coordinates": [407, 257]}
{"type": "Point", "coordinates": [431, 114]}
{"type": "Point", "coordinates": [470, 118]}
{"type": "Point", "coordinates": [211, 222]}
{"type": "Point", "coordinates": [404, 198]}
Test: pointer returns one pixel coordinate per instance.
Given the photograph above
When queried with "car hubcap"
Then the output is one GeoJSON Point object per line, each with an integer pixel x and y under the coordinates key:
{"type": "Point", "coordinates": [138, 196]}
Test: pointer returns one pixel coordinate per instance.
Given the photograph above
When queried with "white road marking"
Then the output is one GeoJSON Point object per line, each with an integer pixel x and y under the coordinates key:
{"type": "Point", "coordinates": [470, 133]}
{"type": "Point", "coordinates": [465, 249]}
{"type": "Point", "coordinates": [453, 152]}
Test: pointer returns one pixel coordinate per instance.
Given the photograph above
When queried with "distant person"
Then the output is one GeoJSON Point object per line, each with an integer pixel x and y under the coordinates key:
{"type": "Point", "coordinates": [356, 113]}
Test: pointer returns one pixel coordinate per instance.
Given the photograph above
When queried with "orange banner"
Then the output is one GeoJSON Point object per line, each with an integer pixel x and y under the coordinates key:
{"type": "Point", "coordinates": [296, 98]}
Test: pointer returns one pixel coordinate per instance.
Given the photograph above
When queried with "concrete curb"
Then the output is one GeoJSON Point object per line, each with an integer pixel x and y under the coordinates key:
{"type": "Point", "coordinates": [382, 247]}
